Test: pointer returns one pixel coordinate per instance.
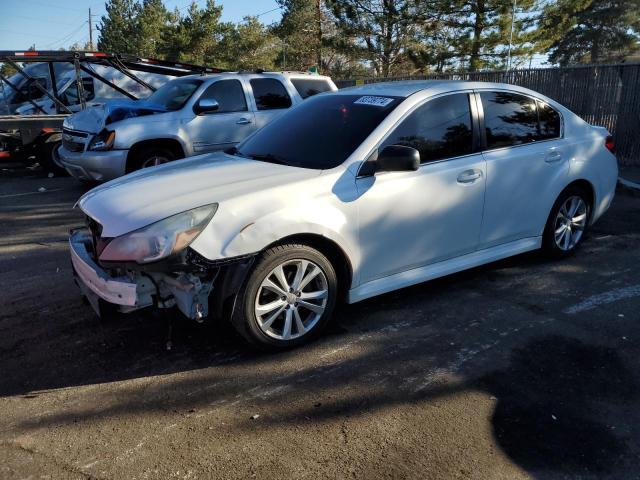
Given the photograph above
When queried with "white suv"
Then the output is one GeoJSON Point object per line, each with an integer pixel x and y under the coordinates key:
{"type": "Point", "coordinates": [186, 116]}
{"type": "Point", "coordinates": [349, 195]}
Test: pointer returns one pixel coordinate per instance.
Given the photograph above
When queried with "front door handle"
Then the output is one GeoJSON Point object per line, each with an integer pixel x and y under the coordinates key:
{"type": "Point", "coordinates": [553, 157]}
{"type": "Point", "coordinates": [243, 121]}
{"type": "Point", "coordinates": [469, 176]}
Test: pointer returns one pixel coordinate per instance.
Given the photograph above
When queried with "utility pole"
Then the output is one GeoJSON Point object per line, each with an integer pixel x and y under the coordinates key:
{"type": "Point", "coordinates": [90, 31]}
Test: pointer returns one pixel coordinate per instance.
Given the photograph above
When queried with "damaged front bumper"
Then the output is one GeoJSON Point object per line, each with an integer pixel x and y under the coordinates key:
{"type": "Point", "coordinates": [128, 289]}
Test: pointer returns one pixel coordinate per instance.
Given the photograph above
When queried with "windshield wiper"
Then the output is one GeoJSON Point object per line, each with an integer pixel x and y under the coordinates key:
{"type": "Point", "coordinates": [268, 157]}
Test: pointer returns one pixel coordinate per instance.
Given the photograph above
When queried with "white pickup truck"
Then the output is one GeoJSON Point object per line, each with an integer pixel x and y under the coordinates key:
{"type": "Point", "coordinates": [186, 116]}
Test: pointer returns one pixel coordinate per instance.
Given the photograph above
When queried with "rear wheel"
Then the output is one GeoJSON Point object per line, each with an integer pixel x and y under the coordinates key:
{"type": "Point", "coordinates": [567, 223]}
{"type": "Point", "coordinates": [287, 299]}
{"type": "Point", "coordinates": [150, 157]}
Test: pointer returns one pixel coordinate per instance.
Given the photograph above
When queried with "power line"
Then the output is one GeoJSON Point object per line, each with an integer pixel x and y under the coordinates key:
{"type": "Point", "coordinates": [67, 37]}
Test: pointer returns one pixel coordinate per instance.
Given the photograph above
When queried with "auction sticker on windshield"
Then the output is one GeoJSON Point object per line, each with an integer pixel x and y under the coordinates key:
{"type": "Point", "coordinates": [372, 100]}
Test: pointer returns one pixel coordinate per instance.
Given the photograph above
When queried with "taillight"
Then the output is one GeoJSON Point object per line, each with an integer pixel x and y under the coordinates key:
{"type": "Point", "coordinates": [610, 144]}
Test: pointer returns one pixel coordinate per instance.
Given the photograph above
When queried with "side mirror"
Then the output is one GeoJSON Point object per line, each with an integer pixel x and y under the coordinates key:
{"type": "Point", "coordinates": [398, 158]}
{"type": "Point", "coordinates": [205, 105]}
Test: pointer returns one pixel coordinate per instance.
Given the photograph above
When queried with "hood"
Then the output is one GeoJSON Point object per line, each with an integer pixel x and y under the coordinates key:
{"type": "Point", "coordinates": [147, 196]}
{"type": "Point", "coordinates": [95, 118]}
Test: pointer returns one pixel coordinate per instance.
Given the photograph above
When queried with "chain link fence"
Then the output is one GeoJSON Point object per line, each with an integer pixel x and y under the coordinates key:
{"type": "Point", "coordinates": [604, 95]}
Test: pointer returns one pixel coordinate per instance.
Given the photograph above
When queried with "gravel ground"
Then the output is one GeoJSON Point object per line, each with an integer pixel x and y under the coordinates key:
{"type": "Point", "coordinates": [523, 368]}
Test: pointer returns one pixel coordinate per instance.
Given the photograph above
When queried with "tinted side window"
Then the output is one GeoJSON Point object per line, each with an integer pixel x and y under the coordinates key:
{"type": "Point", "coordinates": [439, 129]}
{"type": "Point", "coordinates": [308, 87]}
{"type": "Point", "coordinates": [270, 94]}
{"type": "Point", "coordinates": [509, 119]}
{"type": "Point", "coordinates": [229, 94]}
{"type": "Point", "coordinates": [549, 121]}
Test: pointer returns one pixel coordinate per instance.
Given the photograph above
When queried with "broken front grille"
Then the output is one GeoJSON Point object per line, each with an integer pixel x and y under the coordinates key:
{"type": "Point", "coordinates": [73, 141]}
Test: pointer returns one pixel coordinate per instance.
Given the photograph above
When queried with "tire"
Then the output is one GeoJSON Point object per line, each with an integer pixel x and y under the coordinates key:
{"type": "Point", "coordinates": [145, 158]}
{"type": "Point", "coordinates": [47, 158]}
{"type": "Point", "coordinates": [555, 242]}
{"type": "Point", "coordinates": [256, 324]}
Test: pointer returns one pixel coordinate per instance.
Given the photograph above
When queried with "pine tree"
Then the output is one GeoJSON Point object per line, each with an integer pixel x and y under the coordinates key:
{"type": "Point", "coordinates": [378, 31]}
{"type": "Point", "coordinates": [117, 27]}
{"type": "Point", "coordinates": [593, 31]}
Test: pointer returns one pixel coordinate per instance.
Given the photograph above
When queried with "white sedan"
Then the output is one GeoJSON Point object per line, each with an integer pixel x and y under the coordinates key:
{"type": "Point", "coordinates": [349, 195]}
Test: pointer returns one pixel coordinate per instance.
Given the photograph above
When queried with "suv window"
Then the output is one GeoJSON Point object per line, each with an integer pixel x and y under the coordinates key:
{"type": "Point", "coordinates": [270, 94]}
{"type": "Point", "coordinates": [308, 87]}
{"type": "Point", "coordinates": [441, 128]}
{"type": "Point", "coordinates": [229, 94]}
{"type": "Point", "coordinates": [549, 121]}
{"type": "Point", "coordinates": [509, 119]}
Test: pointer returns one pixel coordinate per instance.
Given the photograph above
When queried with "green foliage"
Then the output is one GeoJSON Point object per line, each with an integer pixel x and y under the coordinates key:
{"type": "Point", "coordinates": [346, 38]}
{"type": "Point", "coordinates": [300, 31]}
{"type": "Point", "coordinates": [589, 31]}
{"type": "Point", "coordinates": [117, 27]}
{"type": "Point", "coordinates": [377, 31]}
{"type": "Point", "coordinates": [248, 45]}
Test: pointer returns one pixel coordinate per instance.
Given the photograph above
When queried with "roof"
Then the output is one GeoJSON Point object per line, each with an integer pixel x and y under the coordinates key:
{"type": "Point", "coordinates": [266, 74]}
{"type": "Point", "coordinates": [409, 87]}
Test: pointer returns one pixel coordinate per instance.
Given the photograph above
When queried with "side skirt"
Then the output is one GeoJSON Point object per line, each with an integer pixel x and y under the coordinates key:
{"type": "Point", "coordinates": [440, 269]}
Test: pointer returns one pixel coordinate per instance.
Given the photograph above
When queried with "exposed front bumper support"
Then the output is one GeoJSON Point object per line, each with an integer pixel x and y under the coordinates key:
{"type": "Point", "coordinates": [134, 289]}
{"type": "Point", "coordinates": [122, 291]}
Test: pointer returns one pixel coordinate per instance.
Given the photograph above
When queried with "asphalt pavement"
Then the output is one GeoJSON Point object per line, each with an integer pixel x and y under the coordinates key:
{"type": "Point", "coordinates": [525, 368]}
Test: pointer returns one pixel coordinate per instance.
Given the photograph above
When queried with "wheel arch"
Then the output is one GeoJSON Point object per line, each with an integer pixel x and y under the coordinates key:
{"type": "Point", "coordinates": [587, 187]}
{"type": "Point", "coordinates": [171, 144]}
{"type": "Point", "coordinates": [330, 249]}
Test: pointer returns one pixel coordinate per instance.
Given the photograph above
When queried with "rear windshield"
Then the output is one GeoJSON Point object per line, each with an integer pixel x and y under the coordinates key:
{"type": "Point", "coordinates": [308, 87]}
{"type": "Point", "coordinates": [321, 132]}
{"type": "Point", "coordinates": [174, 94]}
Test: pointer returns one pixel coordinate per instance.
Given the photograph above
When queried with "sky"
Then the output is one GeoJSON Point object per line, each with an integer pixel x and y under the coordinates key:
{"type": "Point", "coordinates": [54, 24]}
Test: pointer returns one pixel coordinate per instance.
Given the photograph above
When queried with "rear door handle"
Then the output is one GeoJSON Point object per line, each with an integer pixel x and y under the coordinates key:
{"type": "Point", "coordinates": [243, 121]}
{"type": "Point", "coordinates": [469, 176]}
{"type": "Point", "coordinates": [553, 157]}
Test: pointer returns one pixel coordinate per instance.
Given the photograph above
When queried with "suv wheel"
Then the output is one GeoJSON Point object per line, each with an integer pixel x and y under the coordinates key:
{"type": "Point", "coordinates": [567, 223]}
{"type": "Point", "coordinates": [49, 159]}
{"type": "Point", "coordinates": [150, 157]}
{"type": "Point", "coordinates": [287, 299]}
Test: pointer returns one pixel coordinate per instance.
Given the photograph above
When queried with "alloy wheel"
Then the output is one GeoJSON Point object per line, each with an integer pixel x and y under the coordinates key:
{"type": "Point", "coordinates": [154, 161]}
{"type": "Point", "coordinates": [291, 299]}
{"type": "Point", "coordinates": [570, 223]}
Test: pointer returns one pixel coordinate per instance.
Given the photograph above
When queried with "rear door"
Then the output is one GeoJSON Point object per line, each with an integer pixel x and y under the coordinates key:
{"type": "Point", "coordinates": [271, 99]}
{"type": "Point", "coordinates": [228, 125]}
{"type": "Point", "coordinates": [527, 165]}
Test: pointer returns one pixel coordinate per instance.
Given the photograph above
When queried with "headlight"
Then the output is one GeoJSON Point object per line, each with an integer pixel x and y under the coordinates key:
{"type": "Point", "coordinates": [160, 239]}
{"type": "Point", "coordinates": [103, 141]}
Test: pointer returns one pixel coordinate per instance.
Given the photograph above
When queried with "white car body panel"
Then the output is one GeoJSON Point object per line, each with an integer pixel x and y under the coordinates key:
{"type": "Point", "coordinates": [396, 228]}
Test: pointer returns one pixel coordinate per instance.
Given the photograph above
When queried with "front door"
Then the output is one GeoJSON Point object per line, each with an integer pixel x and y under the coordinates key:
{"type": "Point", "coordinates": [411, 219]}
{"type": "Point", "coordinates": [228, 125]}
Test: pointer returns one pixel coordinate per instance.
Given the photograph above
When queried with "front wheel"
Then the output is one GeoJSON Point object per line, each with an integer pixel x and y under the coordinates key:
{"type": "Point", "coordinates": [287, 299]}
{"type": "Point", "coordinates": [150, 157]}
{"type": "Point", "coordinates": [567, 223]}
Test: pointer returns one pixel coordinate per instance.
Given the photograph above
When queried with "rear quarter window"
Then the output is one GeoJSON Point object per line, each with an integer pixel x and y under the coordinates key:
{"type": "Point", "coordinates": [307, 87]}
{"type": "Point", "coordinates": [270, 94]}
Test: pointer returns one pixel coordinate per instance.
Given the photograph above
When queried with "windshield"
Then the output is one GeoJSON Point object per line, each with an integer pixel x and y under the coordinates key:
{"type": "Point", "coordinates": [174, 94]}
{"type": "Point", "coordinates": [320, 133]}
